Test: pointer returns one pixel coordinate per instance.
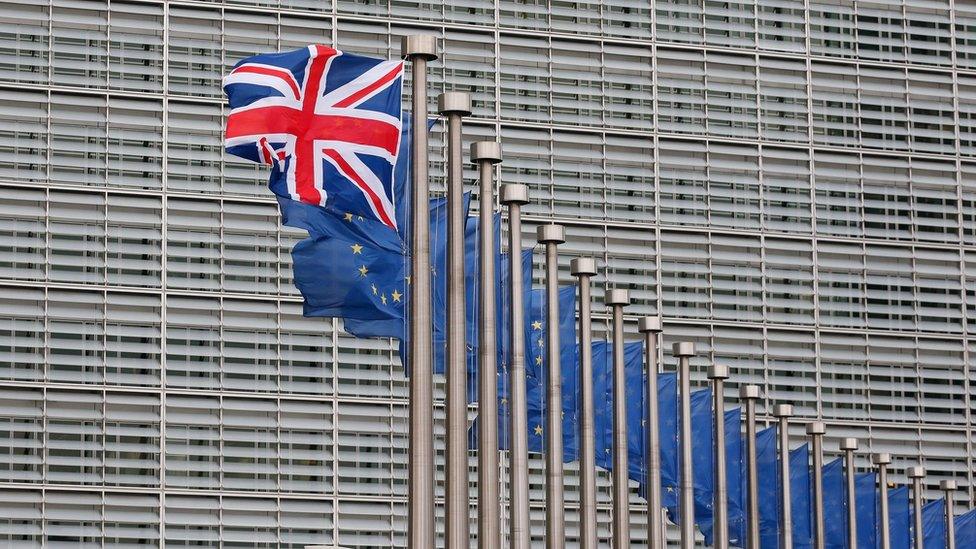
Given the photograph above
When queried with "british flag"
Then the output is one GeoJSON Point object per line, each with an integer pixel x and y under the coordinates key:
{"type": "Point", "coordinates": [327, 122]}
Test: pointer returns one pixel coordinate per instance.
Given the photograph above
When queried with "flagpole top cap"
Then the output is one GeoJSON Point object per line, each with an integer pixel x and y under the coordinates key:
{"type": "Point", "coordinates": [419, 45]}
{"type": "Point", "coordinates": [487, 151]}
{"type": "Point", "coordinates": [848, 444]}
{"type": "Point", "coordinates": [683, 349]}
{"type": "Point", "coordinates": [783, 410]}
{"type": "Point", "coordinates": [816, 428]}
{"type": "Point", "coordinates": [515, 193]}
{"type": "Point", "coordinates": [555, 234]}
{"type": "Point", "coordinates": [718, 371]}
{"type": "Point", "coordinates": [948, 485]}
{"type": "Point", "coordinates": [882, 458]}
{"type": "Point", "coordinates": [583, 266]}
{"type": "Point", "coordinates": [915, 471]}
{"type": "Point", "coordinates": [617, 297]}
{"type": "Point", "coordinates": [454, 103]}
{"type": "Point", "coordinates": [749, 392]}
{"type": "Point", "coordinates": [651, 324]}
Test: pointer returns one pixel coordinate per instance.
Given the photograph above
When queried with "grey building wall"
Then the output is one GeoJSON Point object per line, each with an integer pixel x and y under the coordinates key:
{"type": "Point", "coordinates": [792, 184]}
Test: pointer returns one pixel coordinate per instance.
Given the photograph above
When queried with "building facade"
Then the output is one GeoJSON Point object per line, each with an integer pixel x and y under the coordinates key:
{"type": "Point", "coordinates": [791, 183]}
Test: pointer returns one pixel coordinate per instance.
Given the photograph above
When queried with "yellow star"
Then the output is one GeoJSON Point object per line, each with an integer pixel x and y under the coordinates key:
{"type": "Point", "coordinates": [504, 401]}
{"type": "Point", "coordinates": [541, 343]}
{"type": "Point", "coordinates": [362, 271]}
{"type": "Point", "coordinates": [359, 217]}
{"type": "Point", "coordinates": [538, 430]}
{"type": "Point", "coordinates": [670, 489]}
{"type": "Point", "coordinates": [348, 217]}
{"type": "Point", "coordinates": [538, 360]}
{"type": "Point", "coordinates": [536, 325]}
{"type": "Point", "coordinates": [383, 299]}
{"type": "Point", "coordinates": [356, 249]}
{"type": "Point", "coordinates": [408, 280]}
{"type": "Point", "coordinates": [433, 271]}
{"type": "Point", "coordinates": [396, 296]}
{"type": "Point", "coordinates": [375, 291]}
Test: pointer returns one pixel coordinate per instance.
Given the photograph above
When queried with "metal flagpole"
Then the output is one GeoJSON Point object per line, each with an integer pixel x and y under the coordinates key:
{"type": "Point", "coordinates": [750, 394]}
{"type": "Point", "coordinates": [849, 446]}
{"type": "Point", "coordinates": [782, 412]}
{"type": "Point", "coordinates": [485, 154]}
{"type": "Point", "coordinates": [882, 461]}
{"type": "Point", "coordinates": [419, 49]}
{"type": "Point", "coordinates": [617, 299]}
{"type": "Point", "coordinates": [816, 430]}
{"type": "Point", "coordinates": [551, 236]}
{"type": "Point", "coordinates": [916, 474]}
{"type": "Point", "coordinates": [684, 350]}
{"type": "Point", "coordinates": [515, 195]}
{"type": "Point", "coordinates": [948, 487]}
{"type": "Point", "coordinates": [650, 326]}
{"type": "Point", "coordinates": [718, 374]}
{"type": "Point", "coordinates": [456, 105]}
{"type": "Point", "coordinates": [584, 268]}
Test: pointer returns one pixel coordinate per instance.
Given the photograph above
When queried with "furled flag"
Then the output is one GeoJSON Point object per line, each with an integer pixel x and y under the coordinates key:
{"type": "Point", "coordinates": [327, 122]}
{"type": "Point", "coordinates": [769, 488]}
{"type": "Point", "coordinates": [634, 389]}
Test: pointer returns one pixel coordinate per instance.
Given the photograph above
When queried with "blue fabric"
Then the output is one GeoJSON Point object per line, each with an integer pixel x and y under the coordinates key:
{"type": "Point", "coordinates": [734, 458]}
{"type": "Point", "coordinates": [966, 530]}
{"type": "Point", "coordinates": [504, 334]}
{"type": "Point", "coordinates": [667, 420]}
{"type": "Point", "coordinates": [835, 505]}
{"type": "Point", "coordinates": [702, 461]}
{"type": "Point", "coordinates": [603, 405]}
{"type": "Point", "coordinates": [899, 518]}
{"type": "Point", "coordinates": [866, 505]}
{"type": "Point", "coordinates": [933, 524]}
{"type": "Point", "coordinates": [769, 488]}
{"type": "Point", "coordinates": [800, 497]}
{"type": "Point", "coordinates": [536, 367]}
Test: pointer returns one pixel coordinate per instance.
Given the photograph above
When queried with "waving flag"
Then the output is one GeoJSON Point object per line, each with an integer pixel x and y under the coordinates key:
{"type": "Point", "coordinates": [933, 524]}
{"type": "Point", "coordinates": [327, 122]}
{"type": "Point", "coordinates": [835, 505]}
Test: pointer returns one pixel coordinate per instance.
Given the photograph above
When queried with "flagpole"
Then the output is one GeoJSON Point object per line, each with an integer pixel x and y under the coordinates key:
{"type": "Point", "coordinates": [584, 268]}
{"type": "Point", "coordinates": [684, 351]}
{"type": "Point", "coordinates": [948, 487]}
{"type": "Point", "coordinates": [750, 394]}
{"type": "Point", "coordinates": [718, 374]}
{"type": "Point", "coordinates": [514, 196]}
{"type": "Point", "coordinates": [617, 299]}
{"type": "Point", "coordinates": [650, 326]}
{"type": "Point", "coordinates": [849, 446]}
{"type": "Point", "coordinates": [916, 474]}
{"type": "Point", "coordinates": [419, 49]}
{"type": "Point", "coordinates": [816, 430]}
{"type": "Point", "coordinates": [551, 236]}
{"type": "Point", "coordinates": [882, 461]}
{"type": "Point", "coordinates": [455, 105]}
{"type": "Point", "coordinates": [782, 412]}
{"type": "Point", "coordinates": [486, 154]}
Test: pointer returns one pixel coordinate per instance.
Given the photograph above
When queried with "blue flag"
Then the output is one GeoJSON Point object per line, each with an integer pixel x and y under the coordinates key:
{"type": "Point", "coordinates": [835, 505]}
{"type": "Point", "coordinates": [966, 529]}
{"type": "Point", "coordinates": [769, 488]}
{"type": "Point", "coordinates": [504, 338]}
{"type": "Point", "coordinates": [667, 421]}
{"type": "Point", "coordinates": [866, 504]}
{"type": "Point", "coordinates": [734, 457]}
{"type": "Point", "coordinates": [536, 370]}
{"type": "Point", "coordinates": [899, 517]}
{"type": "Point", "coordinates": [603, 405]}
{"type": "Point", "coordinates": [800, 504]}
{"type": "Point", "coordinates": [702, 462]}
{"type": "Point", "coordinates": [933, 524]}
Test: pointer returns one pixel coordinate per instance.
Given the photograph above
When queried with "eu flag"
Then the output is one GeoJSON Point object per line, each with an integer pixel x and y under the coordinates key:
{"type": "Point", "coordinates": [667, 396]}
{"type": "Point", "coordinates": [835, 507]}
{"type": "Point", "coordinates": [899, 517]}
{"type": "Point", "coordinates": [769, 488]}
{"type": "Point", "coordinates": [603, 405]}
{"type": "Point", "coordinates": [933, 524]}
{"type": "Point", "coordinates": [504, 338]}
{"type": "Point", "coordinates": [966, 529]}
{"type": "Point", "coordinates": [536, 371]}
{"type": "Point", "coordinates": [800, 505]}
{"type": "Point", "coordinates": [866, 505]}
{"type": "Point", "coordinates": [734, 456]}
{"type": "Point", "coordinates": [702, 463]}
